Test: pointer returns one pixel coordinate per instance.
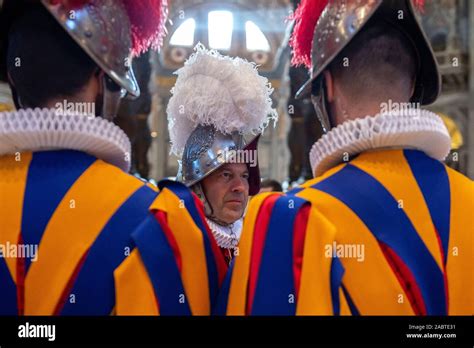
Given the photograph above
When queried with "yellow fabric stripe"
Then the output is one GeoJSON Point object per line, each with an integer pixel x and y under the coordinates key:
{"type": "Point", "coordinates": [391, 169]}
{"type": "Point", "coordinates": [371, 283]}
{"type": "Point", "coordinates": [134, 294]}
{"type": "Point", "coordinates": [97, 194]}
{"type": "Point", "coordinates": [240, 276]}
{"type": "Point", "coordinates": [314, 296]}
{"type": "Point", "coordinates": [13, 176]}
{"type": "Point", "coordinates": [191, 246]}
{"type": "Point", "coordinates": [460, 255]}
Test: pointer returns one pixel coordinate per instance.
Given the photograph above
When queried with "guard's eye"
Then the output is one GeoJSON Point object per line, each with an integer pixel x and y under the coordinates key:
{"type": "Point", "coordinates": [245, 176]}
{"type": "Point", "coordinates": [226, 174]}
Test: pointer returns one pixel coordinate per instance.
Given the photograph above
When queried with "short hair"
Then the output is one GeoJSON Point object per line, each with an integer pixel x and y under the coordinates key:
{"type": "Point", "coordinates": [43, 61]}
{"type": "Point", "coordinates": [273, 184]}
{"type": "Point", "coordinates": [378, 62]}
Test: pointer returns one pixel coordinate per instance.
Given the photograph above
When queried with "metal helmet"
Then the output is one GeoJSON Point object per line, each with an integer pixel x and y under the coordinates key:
{"type": "Point", "coordinates": [216, 102]}
{"type": "Point", "coordinates": [106, 31]}
{"type": "Point", "coordinates": [207, 149]}
{"type": "Point", "coordinates": [339, 23]}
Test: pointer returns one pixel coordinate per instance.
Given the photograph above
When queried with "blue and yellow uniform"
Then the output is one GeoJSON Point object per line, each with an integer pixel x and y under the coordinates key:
{"type": "Point", "coordinates": [177, 268]}
{"type": "Point", "coordinates": [98, 243]}
{"type": "Point", "coordinates": [409, 215]}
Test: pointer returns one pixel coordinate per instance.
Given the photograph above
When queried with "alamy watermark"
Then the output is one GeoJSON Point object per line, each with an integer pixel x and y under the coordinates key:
{"type": "Point", "coordinates": [404, 109]}
{"type": "Point", "coordinates": [75, 108]}
{"type": "Point", "coordinates": [238, 156]}
{"type": "Point", "coordinates": [11, 250]}
{"type": "Point", "coordinates": [355, 251]}
{"type": "Point", "coordinates": [28, 330]}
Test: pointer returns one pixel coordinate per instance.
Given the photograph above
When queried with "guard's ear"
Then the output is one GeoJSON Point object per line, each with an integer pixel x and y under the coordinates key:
{"type": "Point", "coordinates": [99, 75]}
{"type": "Point", "coordinates": [329, 86]}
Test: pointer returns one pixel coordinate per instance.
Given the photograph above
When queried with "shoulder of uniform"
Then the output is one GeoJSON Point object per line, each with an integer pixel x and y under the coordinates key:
{"type": "Point", "coordinates": [459, 176]}
{"type": "Point", "coordinates": [261, 198]}
{"type": "Point", "coordinates": [312, 182]}
{"type": "Point", "coordinates": [460, 181]}
{"type": "Point", "coordinates": [278, 204]}
{"type": "Point", "coordinates": [115, 172]}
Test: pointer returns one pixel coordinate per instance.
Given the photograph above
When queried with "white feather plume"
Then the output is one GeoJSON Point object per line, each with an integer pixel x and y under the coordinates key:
{"type": "Point", "coordinates": [225, 92]}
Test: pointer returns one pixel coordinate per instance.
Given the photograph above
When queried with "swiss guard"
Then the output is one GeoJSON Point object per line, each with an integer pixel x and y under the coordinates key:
{"type": "Point", "coordinates": [75, 236]}
{"type": "Point", "coordinates": [216, 103]}
{"type": "Point", "coordinates": [384, 228]}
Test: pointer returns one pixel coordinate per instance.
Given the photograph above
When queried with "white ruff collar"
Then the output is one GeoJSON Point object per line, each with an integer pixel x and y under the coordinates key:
{"type": "Point", "coordinates": [227, 237]}
{"type": "Point", "coordinates": [424, 131]}
{"type": "Point", "coordinates": [45, 129]}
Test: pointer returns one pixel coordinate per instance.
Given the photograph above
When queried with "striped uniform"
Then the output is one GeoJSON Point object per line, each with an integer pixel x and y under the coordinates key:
{"type": "Point", "coordinates": [408, 213]}
{"type": "Point", "coordinates": [91, 223]}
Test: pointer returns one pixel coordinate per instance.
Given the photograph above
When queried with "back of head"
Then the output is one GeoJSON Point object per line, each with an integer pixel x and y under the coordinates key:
{"type": "Point", "coordinates": [272, 185]}
{"type": "Point", "coordinates": [379, 64]}
{"type": "Point", "coordinates": [43, 61]}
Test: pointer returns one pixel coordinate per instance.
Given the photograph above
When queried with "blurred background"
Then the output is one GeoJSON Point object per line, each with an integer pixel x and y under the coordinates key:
{"type": "Point", "coordinates": [258, 30]}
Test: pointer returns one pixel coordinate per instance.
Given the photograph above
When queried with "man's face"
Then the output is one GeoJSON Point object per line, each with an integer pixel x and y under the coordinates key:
{"type": "Point", "coordinates": [227, 190]}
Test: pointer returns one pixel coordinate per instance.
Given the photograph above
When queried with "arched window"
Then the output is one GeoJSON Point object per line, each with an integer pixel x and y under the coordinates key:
{"type": "Point", "coordinates": [255, 39]}
{"type": "Point", "coordinates": [184, 35]}
{"type": "Point", "coordinates": [220, 26]}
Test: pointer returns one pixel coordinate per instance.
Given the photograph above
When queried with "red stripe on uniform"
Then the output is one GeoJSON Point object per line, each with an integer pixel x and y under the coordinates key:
{"type": "Point", "coordinates": [218, 254]}
{"type": "Point", "coordinates": [406, 279]}
{"type": "Point", "coordinates": [162, 219]}
{"type": "Point", "coordinates": [445, 274]}
{"type": "Point", "coordinates": [301, 222]}
{"type": "Point", "coordinates": [259, 237]}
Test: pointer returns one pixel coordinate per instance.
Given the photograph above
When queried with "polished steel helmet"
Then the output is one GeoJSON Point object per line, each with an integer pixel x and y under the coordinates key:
{"type": "Point", "coordinates": [216, 102]}
{"type": "Point", "coordinates": [208, 149]}
{"type": "Point", "coordinates": [111, 32]}
{"type": "Point", "coordinates": [340, 22]}
{"type": "Point", "coordinates": [102, 29]}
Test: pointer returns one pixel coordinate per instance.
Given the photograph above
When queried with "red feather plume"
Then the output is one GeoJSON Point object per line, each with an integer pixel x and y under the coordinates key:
{"type": "Point", "coordinates": [419, 5]}
{"type": "Point", "coordinates": [306, 17]}
{"type": "Point", "coordinates": [148, 21]}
